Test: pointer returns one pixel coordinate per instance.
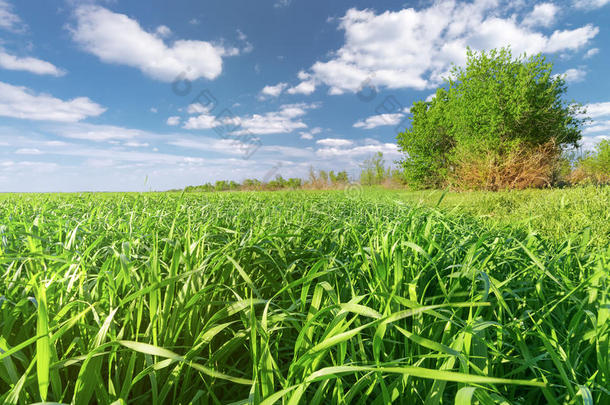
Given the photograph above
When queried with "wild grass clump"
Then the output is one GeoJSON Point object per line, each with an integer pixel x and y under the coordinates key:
{"type": "Point", "coordinates": [579, 214]}
{"type": "Point", "coordinates": [519, 168]}
{"type": "Point", "coordinates": [292, 298]}
{"type": "Point", "coordinates": [594, 166]}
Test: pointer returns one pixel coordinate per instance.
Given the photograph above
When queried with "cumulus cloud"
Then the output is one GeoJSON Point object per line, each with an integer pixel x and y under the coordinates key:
{"type": "Point", "coordinates": [308, 135]}
{"type": "Point", "coordinates": [334, 142]}
{"type": "Point", "coordinates": [116, 38]}
{"type": "Point", "coordinates": [379, 120]}
{"type": "Point", "coordinates": [591, 52]}
{"type": "Point", "coordinates": [574, 75]}
{"type": "Point", "coordinates": [414, 49]}
{"type": "Point", "coordinates": [28, 64]}
{"type": "Point", "coordinates": [204, 119]}
{"type": "Point", "coordinates": [8, 19]}
{"type": "Point", "coordinates": [21, 102]}
{"type": "Point", "coordinates": [174, 120]}
{"type": "Point", "coordinates": [287, 119]}
{"type": "Point", "coordinates": [163, 31]}
{"type": "Point", "coordinates": [305, 87]}
{"type": "Point", "coordinates": [273, 91]}
{"type": "Point", "coordinates": [599, 127]}
{"type": "Point", "coordinates": [597, 110]}
{"type": "Point", "coordinates": [543, 15]}
{"type": "Point", "coordinates": [389, 150]}
{"type": "Point", "coordinates": [590, 4]}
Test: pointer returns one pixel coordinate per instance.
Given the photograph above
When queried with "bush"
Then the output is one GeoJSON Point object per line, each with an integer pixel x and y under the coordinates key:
{"type": "Point", "coordinates": [374, 171]}
{"type": "Point", "coordinates": [486, 125]}
{"type": "Point", "coordinates": [594, 167]}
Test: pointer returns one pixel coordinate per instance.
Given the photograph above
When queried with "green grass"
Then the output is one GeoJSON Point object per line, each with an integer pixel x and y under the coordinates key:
{"type": "Point", "coordinates": [556, 214]}
{"type": "Point", "coordinates": [297, 297]}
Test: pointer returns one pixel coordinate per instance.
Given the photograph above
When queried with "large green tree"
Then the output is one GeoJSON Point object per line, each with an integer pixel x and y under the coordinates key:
{"type": "Point", "coordinates": [494, 107]}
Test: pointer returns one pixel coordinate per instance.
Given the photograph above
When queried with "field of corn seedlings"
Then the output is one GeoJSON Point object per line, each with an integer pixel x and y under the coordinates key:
{"type": "Point", "coordinates": [296, 297]}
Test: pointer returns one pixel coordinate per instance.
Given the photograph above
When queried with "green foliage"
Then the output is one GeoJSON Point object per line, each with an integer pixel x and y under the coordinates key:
{"type": "Point", "coordinates": [554, 214]}
{"type": "Point", "coordinates": [493, 107]}
{"type": "Point", "coordinates": [300, 297]}
{"type": "Point", "coordinates": [374, 171]}
{"type": "Point", "coordinates": [594, 167]}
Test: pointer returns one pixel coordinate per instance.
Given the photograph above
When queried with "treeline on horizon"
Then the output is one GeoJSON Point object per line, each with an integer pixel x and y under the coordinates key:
{"type": "Point", "coordinates": [373, 172]}
{"type": "Point", "coordinates": [571, 169]}
{"type": "Point", "coordinates": [498, 123]}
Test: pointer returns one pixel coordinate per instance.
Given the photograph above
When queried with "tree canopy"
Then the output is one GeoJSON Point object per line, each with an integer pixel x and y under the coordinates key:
{"type": "Point", "coordinates": [494, 111]}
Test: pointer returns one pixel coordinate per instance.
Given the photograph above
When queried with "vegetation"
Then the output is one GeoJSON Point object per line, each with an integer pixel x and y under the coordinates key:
{"type": "Point", "coordinates": [554, 214]}
{"type": "Point", "coordinates": [300, 297]}
{"type": "Point", "coordinates": [594, 166]}
{"type": "Point", "coordinates": [497, 123]}
{"type": "Point", "coordinates": [374, 172]}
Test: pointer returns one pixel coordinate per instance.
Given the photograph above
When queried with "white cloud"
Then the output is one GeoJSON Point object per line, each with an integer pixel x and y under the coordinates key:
{"type": "Point", "coordinates": [379, 120]}
{"type": "Point", "coordinates": [543, 15]}
{"type": "Point", "coordinates": [163, 31]}
{"type": "Point", "coordinates": [28, 64]}
{"type": "Point", "coordinates": [305, 87]}
{"type": "Point", "coordinates": [116, 38]}
{"type": "Point", "coordinates": [286, 120]}
{"type": "Point", "coordinates": [310, 134]}
{"type": "Point", "coordinates": [334, 142]}
{"type": "Point", "coordinates": [413, 48]}
{"type": "Point", "coordinates": [591, 52]}
{"type": "Point", "coordinates": [571, 39]}
{"type": "Point", "coordinates": [574, 75]}
{"type": "Point", "coordinates": [282, 3]}
{"type": "Point", "coordinates": [389, 150]}
{"type": "Point", "coordinates": [135, 144]}
{"type": "Point", "coordinates": [197, 108]}
{"type": "Point", "coordinates": [590, 4]}
{"type": "Point", "coordinates": [154, 110]}
{"type": "Point", "coordinates": [597, 110]}
{"type": "Point", "coordinates": [100, 133]}
{"type": "Point", "coordinates": [21, 102]}
{"type": "Point", "coordinates": [597, 126]}
{"type": "Point", "coordinates": [28, 151]}
{"type": "Point", "coordinates": [205, 144]}
{"type": "Point", "coordinates": [248, 47]}
{"type": "Point", "coordinates": [174, 120]}
{"type": "Point", "coordinates": [204, 120]}
{"type": "Point", "coordinates": [8, 19]}
{"type": "Point", "coordinates": [273, 91]}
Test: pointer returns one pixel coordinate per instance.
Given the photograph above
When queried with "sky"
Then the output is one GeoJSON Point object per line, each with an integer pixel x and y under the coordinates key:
{"type": "Point", "coordinates": [134, 96]}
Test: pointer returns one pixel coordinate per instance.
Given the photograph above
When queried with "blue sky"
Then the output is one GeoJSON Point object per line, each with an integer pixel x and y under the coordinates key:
{"type": "Point", "coordinates": [123, 95]}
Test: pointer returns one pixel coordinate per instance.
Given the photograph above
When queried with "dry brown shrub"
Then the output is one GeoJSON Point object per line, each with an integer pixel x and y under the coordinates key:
{"type": "Point", "coordinates": [582, 176]}
{"type": "Point", "coordinates": [523, 167]}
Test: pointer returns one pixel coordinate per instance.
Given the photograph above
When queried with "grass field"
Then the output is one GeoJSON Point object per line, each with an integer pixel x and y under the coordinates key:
{"type": "Point", "coordinates": [306, 297]}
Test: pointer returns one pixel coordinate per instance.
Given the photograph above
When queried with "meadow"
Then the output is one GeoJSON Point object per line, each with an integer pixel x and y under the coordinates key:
{"type": "Point", "coordinates": [311, 297]}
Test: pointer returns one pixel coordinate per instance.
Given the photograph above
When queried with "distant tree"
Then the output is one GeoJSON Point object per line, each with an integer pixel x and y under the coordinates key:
{"type": "Point", "coordinates": [294, 183]}
{"type": "Point", "coordinates": [374, 170]}
{"type": "Point", "coordinates": [312, 175]}
{"type": "Point", "coordinates": [594, 166]}
{"type": "Point", "coordinates": [221, 185]}
{"type": "Point", "coordinates": [342, 177]}
{"type": "Point", "coordinates": [494, 110]}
